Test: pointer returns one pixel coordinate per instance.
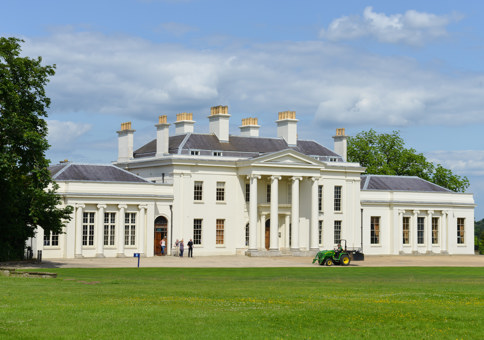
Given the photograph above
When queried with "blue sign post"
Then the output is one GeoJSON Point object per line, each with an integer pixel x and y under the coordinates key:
{"type": "Point", "coordinates": [137, 255]}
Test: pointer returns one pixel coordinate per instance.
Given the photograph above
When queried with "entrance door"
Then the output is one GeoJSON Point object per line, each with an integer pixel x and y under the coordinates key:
{"type": "Point", "coordinates": [268, 234]}
{"type": "Point", "coordinates": [161, 231]}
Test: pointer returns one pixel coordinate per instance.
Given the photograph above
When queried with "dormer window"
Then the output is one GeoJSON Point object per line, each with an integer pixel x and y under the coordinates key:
{"type": "Point", "coordinates": [333, 159]}
{"type": "Point", "coordinates": [217, 153]}
{"type": "Point", "coordinates": [195, 152]}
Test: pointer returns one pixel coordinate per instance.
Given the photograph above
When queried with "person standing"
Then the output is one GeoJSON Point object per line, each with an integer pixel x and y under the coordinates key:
{"type": "Point", "coordinates": [163, 246]}
{"type": "Point", "coordinates": [177, 248]}
{"type": "Point", "coordinates": [190, 248]}
{"type": "Point", "coordinates": [182, 248]}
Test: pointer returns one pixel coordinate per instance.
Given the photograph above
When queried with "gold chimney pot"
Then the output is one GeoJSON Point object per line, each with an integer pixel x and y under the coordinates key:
{"type": "Point", "coordinates": [249, 121]}
{"type": "Point", "coordinates": [219, 110]}
{"type": "Point", "coordinates": [184, 116]}
{"type": "Point", "coordinates": [126, 126]}
{"type": "Point", "coordinates": [287, 115]}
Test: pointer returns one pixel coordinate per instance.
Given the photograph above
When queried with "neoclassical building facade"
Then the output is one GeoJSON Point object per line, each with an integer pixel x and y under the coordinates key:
{"type": "Point", "coordinates": [246, 194]}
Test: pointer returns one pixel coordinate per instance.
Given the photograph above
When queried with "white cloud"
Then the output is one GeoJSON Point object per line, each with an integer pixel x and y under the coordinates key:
{"type": "Point", "coordinates": [65, 134]}
{"type": "Point", "coordinates": [469, 162]}
{"type": "Point", "coordinates": [412, 27]}
{"type": "Point", "coordinates": [323, 82]}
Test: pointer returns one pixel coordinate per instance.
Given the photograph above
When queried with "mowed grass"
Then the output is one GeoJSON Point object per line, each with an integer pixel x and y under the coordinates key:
{"type": "Point", "coordinates": [246, 303]}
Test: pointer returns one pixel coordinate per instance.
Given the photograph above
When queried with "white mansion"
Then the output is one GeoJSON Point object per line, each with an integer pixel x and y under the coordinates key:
{"type": "Point", "coordinates": [249, 195]}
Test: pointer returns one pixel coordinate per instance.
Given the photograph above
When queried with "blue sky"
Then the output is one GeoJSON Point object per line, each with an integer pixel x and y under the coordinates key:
{"type": "Point", "coordinates": [412, 66]}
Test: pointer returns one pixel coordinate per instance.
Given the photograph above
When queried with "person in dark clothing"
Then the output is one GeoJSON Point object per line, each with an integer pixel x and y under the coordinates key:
{"type": "Point", "coordinates": [339, 249]}
{"type": "Point", "coordinates": [182, 247]}
{"type": "Point", "coordinates": [190, 248]}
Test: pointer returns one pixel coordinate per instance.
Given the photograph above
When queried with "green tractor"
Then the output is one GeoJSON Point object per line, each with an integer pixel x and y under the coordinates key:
{"type": "Point", "coordinates": [340, 256]}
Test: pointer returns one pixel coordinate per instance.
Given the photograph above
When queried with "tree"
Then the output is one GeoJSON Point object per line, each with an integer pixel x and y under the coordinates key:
{"type": "Point", "coordinates": [27, 192]}
{"type": "Point", "coordinates": [479, 227]}
{"type": "Point", "coordinates": [385, 154]}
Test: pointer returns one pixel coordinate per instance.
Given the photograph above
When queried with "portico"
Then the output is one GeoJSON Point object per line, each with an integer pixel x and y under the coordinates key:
{"type": "Point", "coordinates": [275, 186]}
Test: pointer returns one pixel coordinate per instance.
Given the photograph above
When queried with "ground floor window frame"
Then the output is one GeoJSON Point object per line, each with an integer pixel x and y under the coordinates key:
{"type": "Point", "coordinates": [337, 231]}
{"type": "Point", "coordinates": [197, 231]}
{"type": "Point", "coordinates": [420, 230]}
{"type": "Point", "coordinates": [435, 230]}
{"type": "Point", "coordinates": [130, 229]}
{"type": "Point", "coordinates": [406, 230]}
{"type": "Point", "coordinates": [51, 239]}
{"type": "Point", "coordinates": [110, 229]}
{"type": "Point", "coordinates": [461, 222]}
{"type": "Point", "coordinates": [219, 232]}
{"type": "Point", "coordinates": [88, 224]}
{"type": "Point", "coordinates": [375, 230]}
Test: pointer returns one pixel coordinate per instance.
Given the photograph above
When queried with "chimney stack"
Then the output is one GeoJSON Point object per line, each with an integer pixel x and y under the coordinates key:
{"type": "Point", "coordinates": [184, 123]}
{"type": "Point", "coordinates": [287, 127]}
{"type": "Point", "coordinates": [162, 136]}
{"type": "Point", "coordinates": [249, 127]}
{"type": "Point", "coordinates": [125, 142]}
{"type": "Point", "coordinates": [340, 144]}
{"type": "Point", "coordinates": [219, 122]}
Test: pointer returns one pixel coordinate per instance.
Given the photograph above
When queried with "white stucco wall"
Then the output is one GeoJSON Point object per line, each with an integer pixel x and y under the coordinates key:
{"type": "Point", "coordinates": [392, 206]}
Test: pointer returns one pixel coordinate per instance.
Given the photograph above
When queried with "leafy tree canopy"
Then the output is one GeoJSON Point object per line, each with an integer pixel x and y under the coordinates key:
{"type": "Point", "coordinates": [27, 192]}
{"type": "Point", "coordinates": [385, 154]}
{"type": "Point", "coordinates": [479, 227]}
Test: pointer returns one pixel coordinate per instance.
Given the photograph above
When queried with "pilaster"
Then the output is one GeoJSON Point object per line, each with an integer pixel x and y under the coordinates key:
{"type": "Point", "coordinates": [100, 230]}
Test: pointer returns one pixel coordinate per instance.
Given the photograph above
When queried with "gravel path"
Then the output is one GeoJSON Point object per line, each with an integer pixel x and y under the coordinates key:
{"type": "Point", "coordinates": [244, 261]}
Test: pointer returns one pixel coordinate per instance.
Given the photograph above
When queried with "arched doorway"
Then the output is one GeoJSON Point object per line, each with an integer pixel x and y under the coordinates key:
{"type": "Point", "coordinates": [268, 234]}
{"type": "Point", "coordinates": [161, 232]}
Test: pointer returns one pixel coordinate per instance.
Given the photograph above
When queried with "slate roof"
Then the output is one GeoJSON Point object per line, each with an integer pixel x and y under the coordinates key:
{"type": "Point", "coordinates": [237, 146]}
{"type": "Point", "coordinates": [399, 183]}
{"type": "Point", "coordinates": [94, 173]}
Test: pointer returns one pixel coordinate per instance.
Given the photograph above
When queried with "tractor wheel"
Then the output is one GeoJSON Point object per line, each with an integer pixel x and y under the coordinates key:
{"type": "Point", "coordinates": [329, 262]}
{"type": "Point", "coordinates": [344, 260]}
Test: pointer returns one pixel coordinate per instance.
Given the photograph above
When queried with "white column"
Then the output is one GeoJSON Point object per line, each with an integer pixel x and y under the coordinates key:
{"type": "Point", "coordinates": [399, 237]}
{"type": "Point", "coordinates": [444, 230]}
{"type": "Point", "coordinates": [141, 234]}
{"type": "Point", "coordinates": [122, 208]}
{"type": "Point", "coordinates": [414, 231]}
{"type": "Point", "coordinates": [274, 240]}
{"type": "Point", "coordinates": [253, 213]}
{"type": "Point", "coordinates": [429, 230]}
{"type": "Point", "coordinates": [287, 222]}
{"type": "Point", "coordinates": [314, 245]}
{"type": "Point", "coordinates": [100, 230]}
{"type": "Point", "coordinates": [295, 214]}
{"type": "Point", "coordinates": [79, 216]}
{"type": "Point", "coordinates": [262, 233]}
{"type": "Point", "coordinates": [39, 240]}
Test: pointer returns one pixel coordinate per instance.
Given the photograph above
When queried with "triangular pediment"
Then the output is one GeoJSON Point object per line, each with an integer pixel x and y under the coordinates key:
{"type": "Point", "coordinates": [285, 157]}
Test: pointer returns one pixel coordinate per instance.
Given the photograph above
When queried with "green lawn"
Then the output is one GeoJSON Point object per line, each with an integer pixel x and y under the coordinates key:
{"type": "Point", "coordinates": [260, 303]}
